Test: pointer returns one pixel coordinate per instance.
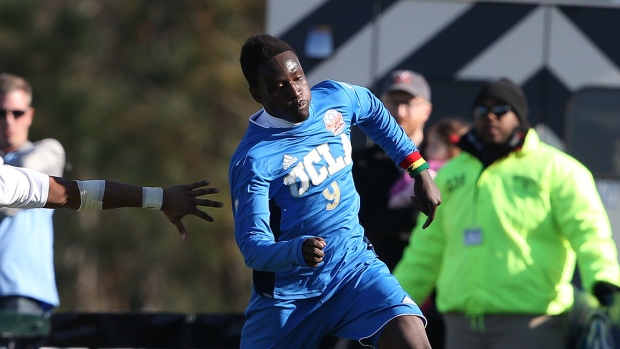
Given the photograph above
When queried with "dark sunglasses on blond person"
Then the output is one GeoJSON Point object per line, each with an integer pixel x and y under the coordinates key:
{"type": "Point", "coordinates": [16, 113]}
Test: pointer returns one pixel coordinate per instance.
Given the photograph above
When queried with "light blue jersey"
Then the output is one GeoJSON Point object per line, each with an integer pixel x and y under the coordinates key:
{"type": "Point", "coordinates": [27, 236]}
{"type": "Point", "coordinates": [306, 170]}
{"type": "Point", "coordinates": [27, 256]}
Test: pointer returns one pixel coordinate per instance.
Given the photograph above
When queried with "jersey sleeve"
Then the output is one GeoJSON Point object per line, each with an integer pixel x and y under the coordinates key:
{"type": "Point", "coordinates": [250, 198]}
{"type": "Point", "coordinates": [377, 122]}
{"type": "Point", "coordinates": [22, 187]}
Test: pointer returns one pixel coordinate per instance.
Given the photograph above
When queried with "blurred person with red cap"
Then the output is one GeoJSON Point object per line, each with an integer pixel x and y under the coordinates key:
{"type": "Point", "coordinates": [407, 96]}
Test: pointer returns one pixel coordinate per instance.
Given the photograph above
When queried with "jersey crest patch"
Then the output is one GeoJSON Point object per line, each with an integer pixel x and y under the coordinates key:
{"type": "Point", "coordinates": [288, 161]}
{"type": "Point", "coordinates": [334, 122]}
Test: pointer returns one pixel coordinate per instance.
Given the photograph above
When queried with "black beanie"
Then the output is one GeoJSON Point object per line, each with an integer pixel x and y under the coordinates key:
{"type": "Point", "coordinates": [506, 91]}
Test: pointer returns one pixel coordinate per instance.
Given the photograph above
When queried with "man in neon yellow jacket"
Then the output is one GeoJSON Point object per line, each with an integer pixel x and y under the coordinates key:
{"type": "Point", "coordinates": [516, 215]}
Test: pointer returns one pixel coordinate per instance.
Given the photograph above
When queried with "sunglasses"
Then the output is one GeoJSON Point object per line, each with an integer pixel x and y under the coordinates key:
{"type": "Point", "coordinates": [498, 110]}
{"type": "Point", "coordinates": [16, 113]}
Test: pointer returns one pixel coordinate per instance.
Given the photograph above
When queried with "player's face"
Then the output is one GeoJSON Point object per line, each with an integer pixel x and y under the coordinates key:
{"type": "Point", "coordinates": [15, 119]}
{"type": "Point", "coordinates": [283, 89]}
{"type": "Point", "coordinates": [495, 123]}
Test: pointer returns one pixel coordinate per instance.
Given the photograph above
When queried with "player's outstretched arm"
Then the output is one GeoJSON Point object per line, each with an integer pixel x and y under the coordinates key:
{"type": "Point", "coordinates": [176, 202]}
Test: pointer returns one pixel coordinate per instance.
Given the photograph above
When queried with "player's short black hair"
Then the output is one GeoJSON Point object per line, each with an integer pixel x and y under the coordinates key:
{"type": "Point", "coordinates": [257, 50]}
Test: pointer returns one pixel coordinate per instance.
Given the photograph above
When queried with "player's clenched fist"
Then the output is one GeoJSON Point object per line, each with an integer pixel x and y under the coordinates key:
{"type": "Point", "coordinates": [312, 250]}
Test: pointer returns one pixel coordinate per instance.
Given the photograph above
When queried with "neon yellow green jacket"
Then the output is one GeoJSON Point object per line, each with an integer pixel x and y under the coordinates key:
{"type": "Point", "coordinates": [537, 209]}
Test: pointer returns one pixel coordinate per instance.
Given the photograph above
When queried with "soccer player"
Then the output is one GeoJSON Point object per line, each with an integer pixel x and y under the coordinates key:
{"type": "Point", "coordinates": [25, 188]}
{"type": "Point", "coordinates": [319, 275]}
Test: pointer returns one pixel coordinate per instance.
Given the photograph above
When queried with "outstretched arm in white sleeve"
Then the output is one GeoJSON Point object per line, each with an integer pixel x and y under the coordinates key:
{"type": "Point", "coordinates": [24, 188]}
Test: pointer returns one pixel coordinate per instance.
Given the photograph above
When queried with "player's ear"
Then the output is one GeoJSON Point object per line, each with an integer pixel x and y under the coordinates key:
{"type": "Point", "coordinates": [29, 116]}
{"type": "Point", "coordinates": [255, 94]}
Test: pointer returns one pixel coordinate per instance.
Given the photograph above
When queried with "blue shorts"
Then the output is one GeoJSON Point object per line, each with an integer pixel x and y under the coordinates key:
{"type": "Point", "coordinates": [357, 308]}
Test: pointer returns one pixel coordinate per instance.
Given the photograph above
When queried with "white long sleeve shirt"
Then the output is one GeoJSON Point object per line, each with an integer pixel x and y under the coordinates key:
{"type": "Point", "coordinates": [22, 188]}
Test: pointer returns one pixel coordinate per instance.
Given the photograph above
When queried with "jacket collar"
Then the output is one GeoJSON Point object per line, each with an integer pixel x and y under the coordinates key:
{"type": "Point", "coordinates": [521, 141]}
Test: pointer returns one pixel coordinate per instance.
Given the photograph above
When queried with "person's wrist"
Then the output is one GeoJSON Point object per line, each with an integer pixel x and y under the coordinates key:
{"type": "Point", "coordinates": [415, 171]}
{"type": "Point", "coordinates": [152, 197]}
